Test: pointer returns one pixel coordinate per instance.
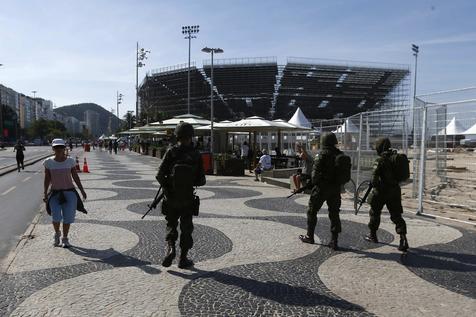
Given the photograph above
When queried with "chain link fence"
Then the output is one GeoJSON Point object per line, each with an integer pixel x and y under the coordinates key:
{"type": "Point", "coordinates": [438, 134]}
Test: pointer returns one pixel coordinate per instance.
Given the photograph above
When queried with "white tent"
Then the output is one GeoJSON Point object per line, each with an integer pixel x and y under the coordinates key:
{"type": "Point", "coordinates": [188, 118]}
{"type": "Point", "coordinates": [299, 119]}
{"type": "Point", "coordinates": [347, 127]}
{"type": "Point", "coordinates": [470, 133]}
{"type": "Point", "coordinates": [453, 128]}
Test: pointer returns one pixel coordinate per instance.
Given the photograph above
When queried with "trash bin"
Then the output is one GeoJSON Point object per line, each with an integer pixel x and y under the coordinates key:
{"type": "Point", "coordinates": [207, 163]}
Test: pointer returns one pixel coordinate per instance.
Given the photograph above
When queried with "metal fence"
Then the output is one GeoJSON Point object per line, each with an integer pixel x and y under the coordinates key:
{"type": "Point", "coordinates": [437, 134]}
{"type": "Point", "coordinates": [445, 161]}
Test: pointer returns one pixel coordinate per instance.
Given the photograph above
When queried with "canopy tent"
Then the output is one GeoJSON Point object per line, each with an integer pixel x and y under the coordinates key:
{"type": "Point", "coordinates": [347, 127]}
{"type": "Point", "coordinates": [147, 129]}
{"type": "Point", "coordinates": [453, 128]}
{"type": "Point", "coordinates": [194, 120]}
{"type": "Point", "coordinates": [299, 119]}
{"type": "Point", "coordinates": [471, 132]}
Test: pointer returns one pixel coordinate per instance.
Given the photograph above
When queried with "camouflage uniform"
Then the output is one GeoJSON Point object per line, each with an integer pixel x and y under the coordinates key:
{"type": "Point", "coordinates": [385, 191]}
{"type": "Point", "coordinates": [178, 205]}
{"type": "Point", "coordinates": [325, 189]}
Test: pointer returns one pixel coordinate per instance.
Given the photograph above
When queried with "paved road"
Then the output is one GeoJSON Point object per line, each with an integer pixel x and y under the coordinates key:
{"type": "Point", "coordinates": [20, 196]}
{"type": "Point", "coordinates": [7, 156]}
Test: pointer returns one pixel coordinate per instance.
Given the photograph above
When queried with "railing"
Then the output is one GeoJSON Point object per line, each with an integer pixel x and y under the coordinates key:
{"type": "Point", "coordinates": [242, 61]}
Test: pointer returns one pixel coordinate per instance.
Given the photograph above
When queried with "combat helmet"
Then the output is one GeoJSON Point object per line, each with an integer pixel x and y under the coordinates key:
{"type": "Point", "coordinates": [328, 139]}
{"type": "Point", "coordinates": [382, 145]}
{"type": "Point", "coordinates": [184, 130]}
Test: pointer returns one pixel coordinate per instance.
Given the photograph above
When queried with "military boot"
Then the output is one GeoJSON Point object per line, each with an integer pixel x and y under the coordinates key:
{"type": "Point", "coordinates": [333, 244]}
{"type": "Point", "coordinates": [307, 239]}
{"type": "Point", "coordinates": [403, 246]}
{"type": "Point", "coordinates": [170, 254]}
{"type": "Point", "coordinates": [184, 262]}
{"type": "Point", "coordinates": [372, 237]}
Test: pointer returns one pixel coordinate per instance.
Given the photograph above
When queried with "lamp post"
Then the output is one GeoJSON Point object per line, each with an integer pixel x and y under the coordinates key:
{"type": "Point", "coordinates": [140, 56]}
{"type": "Point", "coordinates": [118, 102]}
{"type": "Point", "coordinates": [188, 31]}
{"type": "Point", "coordinates": [212, 51]}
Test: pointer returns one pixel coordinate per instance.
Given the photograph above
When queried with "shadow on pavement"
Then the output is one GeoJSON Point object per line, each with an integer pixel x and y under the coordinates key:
{"type": "Point", "coordinates": [275, 291]}
{"type": "Point", "coordinates": [116, 260]}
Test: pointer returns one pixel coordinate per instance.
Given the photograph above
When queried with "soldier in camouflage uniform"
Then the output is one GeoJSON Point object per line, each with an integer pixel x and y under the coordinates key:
{"type": "Point", "coordinates": [325, 189]}
{"type": "Point", "coordinates": [178, 204]}
{"type": "Point", "coordinates": [385, 191]}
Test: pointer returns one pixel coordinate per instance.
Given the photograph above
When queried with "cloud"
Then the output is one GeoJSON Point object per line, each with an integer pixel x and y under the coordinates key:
{"type": "Point", "coordinates": [459, 38]}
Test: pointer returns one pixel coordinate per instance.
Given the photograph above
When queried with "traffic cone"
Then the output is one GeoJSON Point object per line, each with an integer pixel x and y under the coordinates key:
{"type": "Point", "coordinates": [78, 168]}
{"type": "Point", "coordinates": [85, 166]}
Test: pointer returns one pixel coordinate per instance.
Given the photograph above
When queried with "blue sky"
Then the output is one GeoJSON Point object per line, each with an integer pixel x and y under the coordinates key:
{"type": "Point", "coordinates": [84, 51]}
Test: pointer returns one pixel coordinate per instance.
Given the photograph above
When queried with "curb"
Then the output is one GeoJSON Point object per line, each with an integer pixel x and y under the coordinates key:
{"type": "Point", "coordinates": [7, 170]}
{"type": "Point", "coordinates": [5, 266]}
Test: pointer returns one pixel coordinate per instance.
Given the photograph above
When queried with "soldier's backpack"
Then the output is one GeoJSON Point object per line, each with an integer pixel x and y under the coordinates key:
{"type": "Point", "coordinates": [343, 166]}
{"type": "Point", "coordinates": [183, 172]}
{"type": "Point", "coordinates": [400, 166]}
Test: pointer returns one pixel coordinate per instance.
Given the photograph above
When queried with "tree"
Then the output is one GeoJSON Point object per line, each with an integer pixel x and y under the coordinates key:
{"type": "Point", "coordinates": [129, 121]}
{"type": "Point", "coordinates": [49, 129]}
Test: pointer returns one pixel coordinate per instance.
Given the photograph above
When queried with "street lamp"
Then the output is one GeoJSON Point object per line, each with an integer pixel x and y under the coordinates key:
{"type": "Point", "coordinates": [211, 51]}
{"type": "Point", "coordinates": [140, 56]}
{"type": "Point", "coordinates": [118, 102]}
{"type": "Point", "coordinates": [188, 31]}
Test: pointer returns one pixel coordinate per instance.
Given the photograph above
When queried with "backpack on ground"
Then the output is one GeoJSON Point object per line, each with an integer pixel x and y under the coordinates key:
{"type": "Point", "coordinates": [343, 167]}
{"type": "Point", "coordinates": [400, 166]}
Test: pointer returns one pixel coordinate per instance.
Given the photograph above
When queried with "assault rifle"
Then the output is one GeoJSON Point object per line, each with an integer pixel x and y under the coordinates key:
{"type": "Point", "coordinates": [362, 201]}
{"type": "Point", "coordinates": [155, 202]}
{"type": "Point", "coordinates": [302, 189]}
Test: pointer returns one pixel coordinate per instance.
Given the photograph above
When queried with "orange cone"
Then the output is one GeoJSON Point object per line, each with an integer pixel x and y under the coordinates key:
{"type": "Point", "coordinates": [85, 166]}
{"type": "Point", "coordinates": [78, 168]}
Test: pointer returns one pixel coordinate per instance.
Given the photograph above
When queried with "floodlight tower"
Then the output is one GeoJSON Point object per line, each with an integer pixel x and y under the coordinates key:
{"type": "Point", "coordinates": [211, 51]}
{"type": "Point", "coordinates": [415, 50]}
{"type": "Point", "coordinates": [118, 102]}
{"type": "Point", "coordinates": [140, 56]}
{"type": "Point", "coordinates": [188, 31]}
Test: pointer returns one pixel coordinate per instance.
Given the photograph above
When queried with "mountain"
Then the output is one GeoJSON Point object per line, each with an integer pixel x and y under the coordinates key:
{"type": "Point", "coordinates": [78, 111]}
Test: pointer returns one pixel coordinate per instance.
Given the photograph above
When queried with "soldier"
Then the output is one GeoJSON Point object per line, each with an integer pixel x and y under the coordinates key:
{"type": "Point", "coordinates": [386, 191]}
{"type": "Point", "coordinates": [325, 189]}
{"type": "Point", "coordinates": [180, 171]}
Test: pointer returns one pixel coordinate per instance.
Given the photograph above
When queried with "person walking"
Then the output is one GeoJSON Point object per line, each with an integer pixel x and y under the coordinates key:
{"type": "Point", "coordinates": [180, 170]}
{"type": "Point", "coordinates": [62, 200]}
{"type": "Point", "coordinates": [20, 157]}
{"type": "Point", "coordinates": [386, 191]}
{"type": "Point", "coordinates": [326, 188]}
{"type": "Point", "coordinates": [110, 146]}
{"type": "Point", "coordinates": [115, 145]}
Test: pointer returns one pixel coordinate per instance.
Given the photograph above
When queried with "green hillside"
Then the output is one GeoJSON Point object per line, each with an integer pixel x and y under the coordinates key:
{"type": "Point", "coordinates": [78, 111]}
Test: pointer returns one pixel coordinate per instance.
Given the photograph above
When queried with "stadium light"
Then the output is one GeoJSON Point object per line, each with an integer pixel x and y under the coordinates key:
{"type": "Point", "coordinates": [141, 55]}
{"type": "Point", "coordinates": [118, 102]}
{"type": "Point", "coordinates": [189, 31]}
{"type": "Point", "coordinates": [211, 51]}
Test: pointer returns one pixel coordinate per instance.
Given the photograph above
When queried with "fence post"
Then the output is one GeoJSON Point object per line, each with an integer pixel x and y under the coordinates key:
{"type": "Point", "coordinates": [421, 184]}
{"type": "Point", "coordinates": [358, 153]}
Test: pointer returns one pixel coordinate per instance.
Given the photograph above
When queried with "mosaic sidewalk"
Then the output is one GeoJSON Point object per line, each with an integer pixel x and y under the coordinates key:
{"type": "Point", "coordinates": [248, 260]}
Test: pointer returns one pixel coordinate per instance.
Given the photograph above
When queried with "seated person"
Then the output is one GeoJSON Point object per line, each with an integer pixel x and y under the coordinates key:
{"type": "Point", "coordinates": [303, 173]}
{"type": "Point", "coordinates": [264, 164]}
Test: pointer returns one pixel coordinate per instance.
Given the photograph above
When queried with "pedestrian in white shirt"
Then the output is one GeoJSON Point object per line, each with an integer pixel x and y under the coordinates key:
{"type": "Point", "coordinates": [264, 164]}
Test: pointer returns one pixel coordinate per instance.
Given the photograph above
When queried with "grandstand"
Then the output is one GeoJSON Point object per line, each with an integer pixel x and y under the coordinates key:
{"type": "Point", "coordinates": [323, 89]}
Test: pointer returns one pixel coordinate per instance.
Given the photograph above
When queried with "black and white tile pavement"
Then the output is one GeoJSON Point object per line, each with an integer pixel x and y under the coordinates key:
{"type": "Point", "coordinates": [249, 261]}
